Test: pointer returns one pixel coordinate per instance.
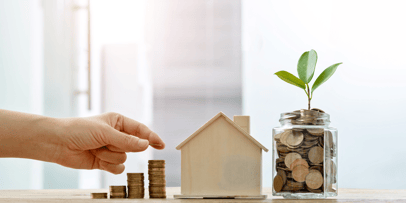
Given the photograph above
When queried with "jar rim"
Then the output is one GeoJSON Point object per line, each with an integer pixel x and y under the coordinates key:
{"type": "Point", "coordinates": [305, 117]}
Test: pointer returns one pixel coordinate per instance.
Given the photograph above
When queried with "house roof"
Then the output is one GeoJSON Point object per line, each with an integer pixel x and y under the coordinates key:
{"type": "Point", "coordinates": [228, 120]}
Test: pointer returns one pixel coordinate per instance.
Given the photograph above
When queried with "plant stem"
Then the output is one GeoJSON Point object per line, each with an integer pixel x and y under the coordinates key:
{"type": "Point", "coordinates": [308, 96]}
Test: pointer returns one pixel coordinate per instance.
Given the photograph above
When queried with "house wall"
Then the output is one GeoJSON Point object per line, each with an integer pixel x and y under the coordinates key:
{"type": "Point", "coordinates": [220, 160]}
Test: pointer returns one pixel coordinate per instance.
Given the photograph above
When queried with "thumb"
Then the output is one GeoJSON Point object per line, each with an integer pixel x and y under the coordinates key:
{"type": "Point", "coordinates": [121, 142]}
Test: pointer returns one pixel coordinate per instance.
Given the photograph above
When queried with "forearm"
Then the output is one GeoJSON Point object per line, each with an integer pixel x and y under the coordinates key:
{"type": "Point", "coordinates": [30, 136]}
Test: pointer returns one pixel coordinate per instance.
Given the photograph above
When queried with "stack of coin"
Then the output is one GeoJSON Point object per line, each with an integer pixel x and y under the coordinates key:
{"type": "Point", "coordinates": [300, 163]}
{"type": "Point", "coordinates": [102, 195]}
{"type": "Point", "coordinates": [118, 191]}
{"type": "Point", "coordinates": [156, 176]}
{"type": "Point", "coordinates": [135, 185]}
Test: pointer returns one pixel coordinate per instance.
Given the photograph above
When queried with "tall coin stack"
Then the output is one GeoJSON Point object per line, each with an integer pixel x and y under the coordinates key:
{"type": "Point", "coordinates": [135, 184]}
{"type": "Point", "coordinates": [157, 183]}
{"type": "Point", "coordinates": [118, 191]}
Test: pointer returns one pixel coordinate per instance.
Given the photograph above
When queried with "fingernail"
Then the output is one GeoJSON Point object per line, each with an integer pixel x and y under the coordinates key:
{"type": "Point", "coordinates": [143, 143]}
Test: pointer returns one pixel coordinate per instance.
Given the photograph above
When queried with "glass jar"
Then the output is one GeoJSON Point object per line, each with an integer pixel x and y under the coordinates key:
{"type": "Point", "coordinates": [304, 156]}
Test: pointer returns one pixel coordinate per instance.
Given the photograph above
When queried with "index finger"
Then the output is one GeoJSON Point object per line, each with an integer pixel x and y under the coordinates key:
{"type": "Point", "coordinates": [140, 130]}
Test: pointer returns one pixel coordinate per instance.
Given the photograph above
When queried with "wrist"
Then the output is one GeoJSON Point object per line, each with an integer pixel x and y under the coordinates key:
{"type": "Point", "coordinates": [49, 137]}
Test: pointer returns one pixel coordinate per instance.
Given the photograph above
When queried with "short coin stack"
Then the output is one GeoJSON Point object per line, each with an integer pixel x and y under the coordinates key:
{"type": "Point", "coordinates": [156, 176]}
{"type": "Point", "coordinates": [102, 195]}
{"type": "Point", "coordinates": [135, 185]}
{"type": "Point", "coordinates": [118, 191]}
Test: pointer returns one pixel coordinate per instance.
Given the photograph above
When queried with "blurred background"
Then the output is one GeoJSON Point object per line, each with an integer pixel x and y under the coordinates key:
{"type": "Point", "coordinates": [174, 64]}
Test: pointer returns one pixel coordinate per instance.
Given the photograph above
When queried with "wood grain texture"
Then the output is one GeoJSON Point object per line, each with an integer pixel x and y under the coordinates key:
{"type": "Point", "coordinates": [221, 161]}
{"type": "Point", "coordinates": [62, 196]}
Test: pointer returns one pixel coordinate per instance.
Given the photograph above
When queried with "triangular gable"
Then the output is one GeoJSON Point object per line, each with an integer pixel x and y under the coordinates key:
{"type": "Point", "coordinates": [231, 122]}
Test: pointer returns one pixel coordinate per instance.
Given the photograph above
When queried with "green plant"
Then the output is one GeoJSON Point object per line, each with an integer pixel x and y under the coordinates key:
{"type": "Point", "coordinates": [305, 69]}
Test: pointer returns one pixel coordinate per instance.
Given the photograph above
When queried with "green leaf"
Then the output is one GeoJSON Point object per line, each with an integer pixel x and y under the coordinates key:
{"type": "Point", "coordinates": [325, 75]}
{"type": "Point", "coordinates": [291, 79]}
{"type": "Point", "coordinates": [306, 65]}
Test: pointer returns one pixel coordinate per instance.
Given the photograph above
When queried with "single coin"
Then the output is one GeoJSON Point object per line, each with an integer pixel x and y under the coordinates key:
{"type": "Point", "coordinates": [132, 189]}
{"type": "Point", "coordinates": [316, 131]}
{"type": "Point", "coordinates": [278, 183]}
{"type": "Point", "coordinates": [135, 180]}
{"type": "Point", "coordinates": [157, 185]}
{"type": "Point", "coordinates": [152, 176]}
{"type": "Point", "coordinates": [156, 161]}
{"type": "Point", "coordinates": [117, 193]}
{"type": "Point", "coordinates": [318, 110]}
{"type": "Point", "coordinates": [277, 137]}
{"type": "Point", "coordinates": [316, 155]}
{"type": "Point", "coordinates": [291, 157]}
{"type": "Point", "coordinates": [314, 180]}
{"type": "Point", "coordinates": [282, 148]}
{"type": "Point", "coordinates": [284, 136]}
{"type": "Point", "coordinates": [136, 175]}
{"type": "Point", "coordinates": [294, 138]}
{"type": "Point", "coordinates": [135, 183]}
{"type": "Point", "coordinates": [156, 169]}
{"type": "Point", "coordinates": [120, 188]}
{"type": "Point", "coordinates": [300, 172]}
{"type": "Point", "coordinates": [153, 164]}
{"type": "Point", "coordinates": [282, 173]}
{"type": "Point", "coordinates": [155, 189]}
{"type": "Point", "coordinates": [102, 195]}
{"type": "Point", "coordinates": [299, 162]}
{"type": "Point", "coordinates": [151, 173]}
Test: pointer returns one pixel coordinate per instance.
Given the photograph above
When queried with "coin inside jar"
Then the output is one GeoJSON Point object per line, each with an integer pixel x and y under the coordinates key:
{"type": "Point", "coordinates": [300, 172]}
{"type": "Point", "coordinates": [294, 138]}
{"type": "Point", "coordinates": [316, 131]}
{"type": "Point", "coordinates": [314, 179]}
{"type": "Point", "coordinates": [299, 162]}
{"type": "Point", "coordinates": [278, 183]}
{"type": "Point", "coordinates": [291, 157]}
{"type": "Point", "coordinates": [316, 155]}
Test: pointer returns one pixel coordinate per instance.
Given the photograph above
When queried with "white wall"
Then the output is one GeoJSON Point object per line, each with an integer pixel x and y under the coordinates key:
{"type": "Point", "coordinates": [365, 97]}
{"type": "Point", "coordinates": [21, 80]}
{"type": "Point", "coordinates": [195, 58]}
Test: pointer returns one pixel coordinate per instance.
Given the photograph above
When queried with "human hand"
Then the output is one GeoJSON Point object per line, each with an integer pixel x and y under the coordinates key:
{"type": "Point", "coordinates": [100, 142]}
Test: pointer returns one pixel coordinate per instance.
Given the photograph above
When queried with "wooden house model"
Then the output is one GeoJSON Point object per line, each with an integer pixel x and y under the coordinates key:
{"type": "Point", "coordinates": [222, 160]}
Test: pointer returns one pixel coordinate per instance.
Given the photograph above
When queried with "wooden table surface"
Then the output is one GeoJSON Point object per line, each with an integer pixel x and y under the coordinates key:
{"type": "Point", "coordinates": [62, 196]}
